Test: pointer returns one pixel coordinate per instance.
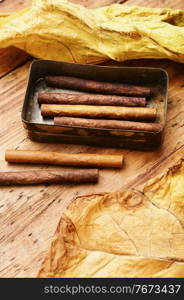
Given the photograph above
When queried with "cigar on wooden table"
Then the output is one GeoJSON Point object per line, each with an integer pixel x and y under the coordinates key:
{"type": "Point", "coordinates": [49, 176]}
{"type": "Point", "coordinates": [90, 99]}
{"type": "Point", "coordinates": [65, 159]}
{"type": "Point", "coordinates": [74, 83]}
{"type": "Point", "coordinates": [107, 124]}
{"type": "Point", "coordinates": [92, 111]}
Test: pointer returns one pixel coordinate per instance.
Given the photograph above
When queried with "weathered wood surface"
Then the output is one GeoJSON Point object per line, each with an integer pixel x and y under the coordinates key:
{"type": "Point", "coordinates": [29, 215]}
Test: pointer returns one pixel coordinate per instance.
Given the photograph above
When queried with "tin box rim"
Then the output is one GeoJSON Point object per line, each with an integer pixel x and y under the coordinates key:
{"type": "Point", "coordinates": [38, 61]}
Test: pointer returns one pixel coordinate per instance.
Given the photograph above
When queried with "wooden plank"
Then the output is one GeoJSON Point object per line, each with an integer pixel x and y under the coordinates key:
{"type": "Point", "coordinates": [178, 4]}
{"type": "Point", "coordinates": [11, 58]}
{"type": "Point", "coordinates": [8, 6]}
{"type": "Point", "coordinates": [29, 215]}
{"type": "Point", "coordinates": [25, 210]}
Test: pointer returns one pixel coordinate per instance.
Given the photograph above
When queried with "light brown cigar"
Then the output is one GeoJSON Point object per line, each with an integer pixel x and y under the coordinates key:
{"type": "Point", "coordinates": [96, 86]}
{"type": "Point", "coordinates": [90, 99]}
{"type": "Point", "coordinates": [90, 111]}
{"type": "Point", "coordinates": [49, 176]}
{"type": "Point", "coordinates": [57, 158]}
{"type": "Point", "coordinates": [107, 124]}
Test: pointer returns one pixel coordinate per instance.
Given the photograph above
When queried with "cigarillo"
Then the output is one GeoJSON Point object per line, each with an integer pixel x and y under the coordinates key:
{"type": "Point", "coordinates": [96, 86]}
{"type": "Point", "coordinates": [90, 111]}
{"type": "Point", "coordinates": [65, 159]}
{"type": "Point", "coordinates": [107, 124]}
{"type": "Point", "coordinates": [48, 176]}
{"type": "Point", "coordinates": [90, 99]}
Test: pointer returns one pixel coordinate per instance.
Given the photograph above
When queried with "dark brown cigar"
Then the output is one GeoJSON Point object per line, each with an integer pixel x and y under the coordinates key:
{"type": "Point", "coordinates": [107, 124]}
{"type": "Point", "coordinates": [96, 86]}
{"type": "Point", "coordinates": [92, 111]}
{"type": "Point", "coordinates": [49, 176]}
{"type": "Point", "coordinates": [90, 99]}
{"type": "Point", "coordinates": [65, 159]}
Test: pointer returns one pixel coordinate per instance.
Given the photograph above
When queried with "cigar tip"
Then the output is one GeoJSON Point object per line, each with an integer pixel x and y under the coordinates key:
{"type": "Point", "coordinates": [6, 154]}
{"type": "Point", "coordinates": [122, 161]}
{"type": "Point", "coordinates": [159, 127]}
{"type": "Point", "coordinates": [39, 96]}
{"type": "Point", "coordinates": [94, 173]}
{"type": "Point", "coordinates": [43, 108]}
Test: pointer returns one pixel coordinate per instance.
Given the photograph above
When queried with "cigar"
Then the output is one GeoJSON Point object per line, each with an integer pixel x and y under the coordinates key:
{"type": "Point", "coordinates": [86, 85]}
{"type": "Point", "coordinates": [49, 176]}
{"type": "Point", "coordinates": [107, 124]}
{"type": "Point", "coordinates": [90, 111]}
{"type": "Point", "coordinates": [65, 159]}
{"type": "Point", "coordinates": [90, 99]}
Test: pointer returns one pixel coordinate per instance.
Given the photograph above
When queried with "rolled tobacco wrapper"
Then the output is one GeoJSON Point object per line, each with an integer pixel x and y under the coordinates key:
{"type": "Point", "coordinates": [107, 124]}
{"type": "Point", "coordinates": [49, 176]}
{"type": "Point", "coordinates": [65, 159]}
{"type": "Point", "coordinates": [90, 99]}
{"type": "Point", "coordinates": [81, 84]}
{"type": "Point", "coordinates": [90, 111]}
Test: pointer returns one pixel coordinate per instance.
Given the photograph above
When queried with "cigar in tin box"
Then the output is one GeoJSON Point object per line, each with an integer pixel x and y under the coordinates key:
{"type": "Point", "coordinates": [49, 176]}
{"type": "Point", "coordinates": [90, 99]}
{"type": "Point", "coordinates": [107, 124]}
{"type": "Point", "coordinates": [90, 111]}
{"type": "Point", "coordinates": [65, 159]}
{"type": "Point", "coordinates": [87, 85]}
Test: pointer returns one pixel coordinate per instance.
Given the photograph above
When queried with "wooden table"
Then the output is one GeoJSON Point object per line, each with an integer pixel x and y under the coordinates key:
{"type": "Point", "coordinates": [29, 215]}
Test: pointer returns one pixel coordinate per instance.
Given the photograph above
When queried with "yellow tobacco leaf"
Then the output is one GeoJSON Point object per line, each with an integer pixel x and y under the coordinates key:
{"type": "Point", "coordinates": [60, 30]}
{"type": "Point", "coordinates": [122, 234]}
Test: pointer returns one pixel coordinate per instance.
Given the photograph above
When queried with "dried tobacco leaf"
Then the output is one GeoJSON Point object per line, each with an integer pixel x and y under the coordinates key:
{"type": "Point", "coordinates": [122, 234]}
{"type": "Point", "coordinates": [60, 30]}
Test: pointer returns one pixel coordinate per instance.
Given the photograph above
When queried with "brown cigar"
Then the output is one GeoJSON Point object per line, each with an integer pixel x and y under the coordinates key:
{"type": "Point", "coordinates": [90, 99]}
{"type": "Point", "coordinates": [96, 86]}
{"type": "Point", "coordinates": [90, 111]}
{"type": "Point", "coordinates": [65, 159]}
{"type": "Point", "coordinates": [49, 176]}
{"type": "Point", "coordinates": [107, 124]}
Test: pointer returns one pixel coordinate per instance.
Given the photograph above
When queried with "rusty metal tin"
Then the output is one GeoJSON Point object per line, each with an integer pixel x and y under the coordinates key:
{"type": "Point", "coordinates": [44, 130]}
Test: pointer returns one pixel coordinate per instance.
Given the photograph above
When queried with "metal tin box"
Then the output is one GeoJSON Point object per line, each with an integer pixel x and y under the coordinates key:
{"type": "Point", "coordinates": [44, 130]}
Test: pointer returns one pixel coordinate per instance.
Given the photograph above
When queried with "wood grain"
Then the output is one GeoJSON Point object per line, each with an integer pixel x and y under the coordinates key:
{"type": "Point", "coordinates": [8, 6]}
{"type": "Point", "coordinates": [29, 215]}
{"type": "Point", "coordinates": [10, 59]}
{"type": "Point", "coordinates": [176, 4]}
